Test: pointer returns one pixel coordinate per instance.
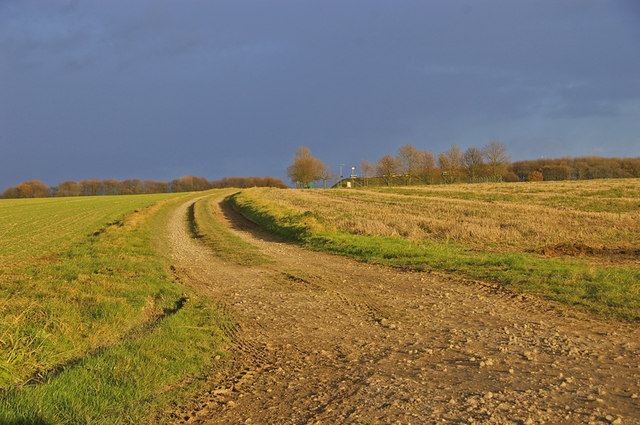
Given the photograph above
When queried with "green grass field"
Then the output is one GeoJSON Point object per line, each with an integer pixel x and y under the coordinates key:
{"type": "Point", "coordinates": [94, 328]}
{"type": "Point", "coordinates": [577, 243]}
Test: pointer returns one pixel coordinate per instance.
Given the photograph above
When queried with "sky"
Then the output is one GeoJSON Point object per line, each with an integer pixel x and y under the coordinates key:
{"type": "Point", "coordinates": [158, 89]}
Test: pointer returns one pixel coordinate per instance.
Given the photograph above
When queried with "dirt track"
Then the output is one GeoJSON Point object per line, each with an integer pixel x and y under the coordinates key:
{"type": "Point", "coordinates": [324, 339]}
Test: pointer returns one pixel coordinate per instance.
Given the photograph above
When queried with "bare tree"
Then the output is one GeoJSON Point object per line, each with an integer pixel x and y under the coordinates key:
{"type": "Point", "coordinates": [68, 188]}
{"type": "Point", "coordinates": [134, 186]}
{"type": "Point", "coordinates": [426, 167]}
{"type": "Point", "coordinates": [589, 167]}
{"type": "Point", "coordinates": [112, 187]}
{"type": "Point", "coordinates": [326, 174]}
{"type": "Point", "coordinates": [183, 184]}
{"type": "Point", "coordinates": [28, 189]}
{"type": "Point", "coordinates": [368, 170]}
{"type": "Point", "coordinates": [473, 163]}
{"type": "Point", "coordinates": [495, 155]}
{"type": "Point", "coordinates": [409, 159]}
{"type": "Point", "coordinates": [242, 182]}
{"type": "Point", "coordinates": [269, 181]}
{"type": "Point", "coordinates": [305, 168]}
{"type": "Point", "coordinates": [152, 186]}
{"type": "Point", "coordinates": [387, 168]}
{"type": "Point", "coordinates": [90, 187]}
{"type": "Point", "coordinates": [451, 164]}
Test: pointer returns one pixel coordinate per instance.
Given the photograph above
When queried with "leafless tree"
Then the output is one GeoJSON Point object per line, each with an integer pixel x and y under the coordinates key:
{"type": "Point", "coordinates": [28, 189]}
{"type": "Point", "coordinates": [409, 160]}
{"type": "Point", "coordinates": [387, 168]}
{"type": "Point", "coordinates": [112, 187]}
{"type": "Point", "coordinates": [495, 155]}
{"type": "Point", "coordinates": [242, 182]}
{"type": "Point", "coordinates": [152, 186]}
{"type": "Point", "coordinates": [90, 187]}
{"type": "Point", "coordinates": [305, 168]}
{"type": "Point", "coordinates": [368, 170]}
{"type": "Point", "coordinates": [189, 184]}
{"type": "Point", "coordinates": [451, 164]}
{"type": "Point", "coordinates": [473, 163]}
{"type": "Point", "coordinates": [426, 167]}
{"type": "Point", "coordinates": [326, 174]}
{"type": "Point", "coordinates": [67, 188]}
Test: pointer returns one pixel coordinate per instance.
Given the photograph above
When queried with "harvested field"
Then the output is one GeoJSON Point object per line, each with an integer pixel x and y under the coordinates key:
{"type": "Point", "coordinates": [575, 242]}
{"type": "Point", "coordinates": [505, 217]}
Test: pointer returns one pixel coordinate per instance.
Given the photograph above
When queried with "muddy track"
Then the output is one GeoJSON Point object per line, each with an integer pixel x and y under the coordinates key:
{"type": "Point", "coordinates": [323, 339]}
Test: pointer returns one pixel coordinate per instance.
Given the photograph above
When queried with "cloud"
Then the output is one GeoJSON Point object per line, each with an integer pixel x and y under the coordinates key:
{"type": "Point", "coordinates": [211, 84]}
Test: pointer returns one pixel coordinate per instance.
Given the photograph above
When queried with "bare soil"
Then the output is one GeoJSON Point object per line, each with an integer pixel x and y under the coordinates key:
{"type": "Point", "coordinates": [324, 339]}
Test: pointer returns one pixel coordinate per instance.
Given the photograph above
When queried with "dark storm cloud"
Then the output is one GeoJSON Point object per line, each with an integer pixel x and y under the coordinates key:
{"type": "Point", "coordinates": [156, 89]}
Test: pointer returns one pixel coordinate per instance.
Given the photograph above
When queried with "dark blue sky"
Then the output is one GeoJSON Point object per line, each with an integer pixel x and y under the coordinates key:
{"type": "Point", "coordinates": [158, 89]}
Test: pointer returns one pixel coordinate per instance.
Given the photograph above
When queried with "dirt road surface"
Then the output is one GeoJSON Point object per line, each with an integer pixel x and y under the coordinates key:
{"type": "Point", "coordinates": [327, 340]}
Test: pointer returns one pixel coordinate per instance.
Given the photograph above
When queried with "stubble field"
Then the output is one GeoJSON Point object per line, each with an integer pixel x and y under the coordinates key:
{"type": "Point", "coordinates": [573, 242]}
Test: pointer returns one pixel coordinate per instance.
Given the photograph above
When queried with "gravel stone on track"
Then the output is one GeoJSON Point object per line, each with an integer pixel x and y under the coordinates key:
{"type": "Point", "coordinates": [324, 339]}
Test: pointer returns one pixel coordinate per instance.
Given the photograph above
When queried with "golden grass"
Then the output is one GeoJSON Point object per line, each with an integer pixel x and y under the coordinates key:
{"type": "Point", "coordinates": [598, 218]}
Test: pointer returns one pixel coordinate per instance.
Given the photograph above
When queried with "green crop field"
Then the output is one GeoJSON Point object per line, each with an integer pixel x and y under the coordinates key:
{"type": "Point", "coordinates": [31, 228]}
{"type": "Point", "coordinates": [93, 326]}
{"type": "Point", "coordinates": [574, 242]}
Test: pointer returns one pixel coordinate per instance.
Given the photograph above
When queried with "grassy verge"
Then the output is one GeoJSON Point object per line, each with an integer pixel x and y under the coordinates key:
{"type": "Point", "coordinates": [133, 382]}
{"type": "Point", "coordinates": [204, 226]}
{"type": "Point", "coordinates": [74, 277]}
{"type": "Point", "coordinates": [611, 291]}
{"type": "Point", "coordinates": [109, 335]}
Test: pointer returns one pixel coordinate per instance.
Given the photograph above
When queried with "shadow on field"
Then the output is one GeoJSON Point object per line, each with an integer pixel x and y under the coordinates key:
{"type": "Point", "coordinates": [242, 223]}
{"type": "Point", "coordinates": [135, 333]}
{"type": "Point", "coordinates": [191, 220]}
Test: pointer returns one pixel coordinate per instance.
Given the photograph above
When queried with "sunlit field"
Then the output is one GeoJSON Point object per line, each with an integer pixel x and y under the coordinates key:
{"type": "Point", "coordinates": [598, 218]}
{"type": "Point", "coordinates": [92, 323]}
{"type": "Point", "coordinates": [56, 294]}
{"type": "Point", "coordinates": [577, 242]}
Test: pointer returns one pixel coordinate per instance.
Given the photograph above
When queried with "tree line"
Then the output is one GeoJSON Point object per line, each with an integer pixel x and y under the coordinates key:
{"type": "Point", "coordinates": [582, 168]}
{"type": "Point", "coordinates": [95, 187]}
{"type": "Point", "coordinates": [412, 165]}
{"type": "Point", "coordinates": [491, 163]}
{"type": "Point", "coordinates": [244, 182]}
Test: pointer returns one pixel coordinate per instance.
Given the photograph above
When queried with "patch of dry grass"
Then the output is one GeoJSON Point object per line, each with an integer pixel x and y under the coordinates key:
{"type": "Point", "coordinates": [601, 218]}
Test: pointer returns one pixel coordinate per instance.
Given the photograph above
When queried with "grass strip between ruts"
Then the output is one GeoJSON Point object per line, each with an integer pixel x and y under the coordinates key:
{"type": "Point", "coordinates": [207, 228]}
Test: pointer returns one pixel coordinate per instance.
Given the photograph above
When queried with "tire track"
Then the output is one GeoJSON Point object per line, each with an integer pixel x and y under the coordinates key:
{"type": "Point", "coordinates": [324, 339]}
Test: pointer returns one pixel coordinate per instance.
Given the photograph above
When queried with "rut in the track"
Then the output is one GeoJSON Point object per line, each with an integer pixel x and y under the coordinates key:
{"type": "Point", "coordinates": [324, 339]}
